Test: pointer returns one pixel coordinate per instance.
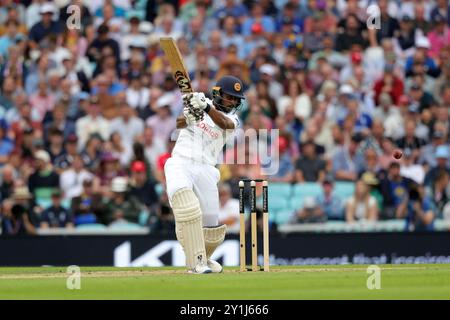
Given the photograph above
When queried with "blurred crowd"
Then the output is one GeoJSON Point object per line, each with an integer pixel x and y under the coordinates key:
{"type": "Point", "coordinates": [88, 105]}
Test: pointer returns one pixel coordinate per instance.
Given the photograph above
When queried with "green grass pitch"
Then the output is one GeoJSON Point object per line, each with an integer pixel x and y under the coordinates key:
{"type": "Point", "coordinates": [321, 282]}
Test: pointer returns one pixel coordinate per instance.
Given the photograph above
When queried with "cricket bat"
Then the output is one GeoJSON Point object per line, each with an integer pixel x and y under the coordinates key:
{"type": "Point", "coordinates": [179, 70]}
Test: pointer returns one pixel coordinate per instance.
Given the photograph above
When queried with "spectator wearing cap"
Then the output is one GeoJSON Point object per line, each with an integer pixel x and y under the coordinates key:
{"type": "Point", "coordinates": [309, 167]}
{"type": "Point", "coordinates": [71, 180]}
{"type": "Point", "coordinates": [423, 98]}
{"type": "Point", "coordinates": [92, 123]}
{"type": "Point", "coordinates": [56, 216]}
{"type": "Point", "coordinates": [361, 205]}
{"type": "Point", "coordinates": [142, 187]}
{"type": "Point", "coordinates": [347, 162]}
{"type": "Point", "coordinates": [394, 189]}
{"type": "Point", "coordinates": [428, 152]}
{"type": "Point", "coordinates": [163, 123]}
{"type": "Point", "coordinates": [101, 41]}
{"type": "Point", "coordinates": [329, 202]}
{"type": "Point", "coordinates": [310, 212]}
{"type": "Point", "coordinates": [44, 180]}
{"type": "Point", "coordinates": [442, 155]}
{"type": "Point", "coordinates": [268, 73]}
{"type": "Point", "coordinates": [409, 167]}
{"type": "Point", "coordinates": [422, 56]}
{"type": "Point", "coordinates": [121, 207]}
{"type": "Point", "coordinates": [127, 124]}
{"type": "Point", "coordinates": [46, 26]}
{"type": "Point", "coordinates": [64, 161]}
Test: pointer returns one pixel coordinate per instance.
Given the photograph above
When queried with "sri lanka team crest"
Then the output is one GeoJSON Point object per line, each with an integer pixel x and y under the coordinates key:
{"type": "Point", "coordinates": [237, 86]}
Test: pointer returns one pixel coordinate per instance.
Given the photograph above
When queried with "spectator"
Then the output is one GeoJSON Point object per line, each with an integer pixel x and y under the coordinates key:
{"type": "Point", "coordinates": [417, 210]}
{"type": "Point", "coordinates": [409, 168]}
{"type": "Point", "coordinates": [162, 122]}
{"type": "Point", "coordinates": [94, 51]}
{"type": "Point", "coordinates": [8, 177]}
{"type": "Point", "coordinates": [6, 145]}
{"type": "Point", "coordinates": [439, 192]}
{"type": "Point", "coordinates": [347, 161]}
{"type": "Point", "coordinates": [44, 180]}
{"type": "Point", "coordinates": [121, 207]}
{"type": "Point", "coordinates": [286, 170]}
{"type": "Point", "coordinates": [441, 155]}
{"type": "Point", "coordinates": [92, 123]}
{"type": "Point", "coordinates": [329, 202]}
{"type": "Point", "coordinates": [127, 125]}
{"type": "Point", "coordinates": [88, 207]}
{"type": "Point", "coordinates": [143, 188]}
{"type": "Point", "coordinates": [45, 27]}
{"type": "Point", "coordinates": [153, 147]}
{"type": "Point", "coordinates": [229, 209]}
{"type": "Point", "coordinates": [56, 216]}
{"type": "Point", "coordinates": [165, 222]}
{"type": "Point", "coordinates": [394, 189]}
{"type": "Point", "coordinates": [362, 205]}
{"type": "Point", "coordinates": [72, 179]}
{"type": "Point", "coordinates": [311, 212]}
{"type": "Point", "coordinates": [309, 168]}
{"type": "Point", "coordinates": [15, 220]}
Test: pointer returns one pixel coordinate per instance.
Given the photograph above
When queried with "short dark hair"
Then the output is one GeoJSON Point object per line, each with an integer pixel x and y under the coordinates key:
{"type": "Point", "coordinates": [103, 29]}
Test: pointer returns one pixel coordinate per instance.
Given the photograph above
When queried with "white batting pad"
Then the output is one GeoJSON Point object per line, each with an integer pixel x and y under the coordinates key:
{"type": "Point", "coordinates": [188, 216]}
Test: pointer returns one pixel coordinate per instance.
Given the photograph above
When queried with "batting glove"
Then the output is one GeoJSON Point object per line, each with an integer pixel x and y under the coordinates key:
{"type": "Point", "coordinates": [198, 101]}
{"type": "Point", "coordinates": [191, 118]}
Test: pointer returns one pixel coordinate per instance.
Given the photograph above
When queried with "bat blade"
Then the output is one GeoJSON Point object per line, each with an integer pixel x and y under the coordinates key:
{"type": "Point", "coordinates": [175, 59]}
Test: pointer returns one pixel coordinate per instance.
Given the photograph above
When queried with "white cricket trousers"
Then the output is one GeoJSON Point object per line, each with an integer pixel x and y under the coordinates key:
{"type": "Point", "coordinates": [201, 178]}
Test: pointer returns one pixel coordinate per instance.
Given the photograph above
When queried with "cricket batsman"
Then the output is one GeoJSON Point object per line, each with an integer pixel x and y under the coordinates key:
{"type": "Point", "coordinates": [191, 175]}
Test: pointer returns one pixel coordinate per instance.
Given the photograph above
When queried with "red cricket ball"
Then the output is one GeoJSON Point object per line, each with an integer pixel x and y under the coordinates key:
{"type": "Point", "coordinates": [397, 154]}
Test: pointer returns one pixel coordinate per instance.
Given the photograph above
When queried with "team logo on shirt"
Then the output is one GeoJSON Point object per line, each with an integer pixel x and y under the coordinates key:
{"type": "Point", "coordinates": [237, 86]}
